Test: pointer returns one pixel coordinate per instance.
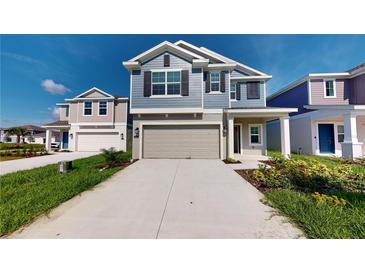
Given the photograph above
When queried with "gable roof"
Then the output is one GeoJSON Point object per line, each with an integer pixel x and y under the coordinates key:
{"type": "Point", "coordinates": [92, 90]}
{"type": "Point", "coordinates": [221, 58]}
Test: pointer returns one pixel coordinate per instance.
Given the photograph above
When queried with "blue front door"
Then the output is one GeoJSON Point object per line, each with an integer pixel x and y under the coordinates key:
{"type": "Point", "coordinates": [65, 140]}
{"type": "Point", "coordinates": [326, 138]}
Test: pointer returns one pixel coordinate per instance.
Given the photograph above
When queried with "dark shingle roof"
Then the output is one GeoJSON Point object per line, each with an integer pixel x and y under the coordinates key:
{"type": "Point", "coordinates": [58, 123]}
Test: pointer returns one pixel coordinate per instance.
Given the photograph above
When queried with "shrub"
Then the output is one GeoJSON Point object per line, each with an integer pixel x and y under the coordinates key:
{"type": "Point", "coordinates": [331, 200]}
{"type": "Point", "coordinates": [110, 155]}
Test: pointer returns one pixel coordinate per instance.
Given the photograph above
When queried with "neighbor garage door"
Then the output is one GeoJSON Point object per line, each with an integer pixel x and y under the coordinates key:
{"type": "Point", "coordinates": [188, 141]}
{"type": "Point", "coordinates": [97, 141]}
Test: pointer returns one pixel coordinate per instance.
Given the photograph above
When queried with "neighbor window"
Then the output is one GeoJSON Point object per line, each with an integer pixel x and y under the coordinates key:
{"type": "Point", "coordinates": [87, 108]}
{"type": "Point", "coordinates": [253, 90]}
{"type": "Point", "coordinates": [233, 91]}
{"type": "Point", "coordinates": [340, 133]}
{"type": "Point", "coordinates": [103, 108]}
{"type": "Point", "coordinates": [255, 134]}
{"type": "Point", "coordinates": [67, 111]}
{"type": "Point", "coordinates": [166, 83]}
{"type": "Point", "coordinates": [214, 81]}
{"type": "Point", "coordinates": [330, 88]}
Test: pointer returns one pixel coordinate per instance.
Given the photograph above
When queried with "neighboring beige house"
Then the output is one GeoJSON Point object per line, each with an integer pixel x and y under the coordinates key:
{"type": "Point", "coordinates": [190, 102]}
{"type": "Point", "coordinates": [331, 117]}
{"type": "Point", "coordinates": [91, 121]}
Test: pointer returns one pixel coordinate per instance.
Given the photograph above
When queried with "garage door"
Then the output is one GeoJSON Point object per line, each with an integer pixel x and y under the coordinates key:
{"type": "Point", "coordinates": [97, 141]}
{"type": "Point", "coordinates": [181, 141]}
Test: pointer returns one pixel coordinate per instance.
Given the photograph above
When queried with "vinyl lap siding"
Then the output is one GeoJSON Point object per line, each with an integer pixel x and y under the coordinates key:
{"type": "Point", "coordinates": [237, 73]}
{"type": "Point", "coordinates": [251, 102]}
{"type": "Point", "coordinates": [194, 100]}
{"type": "Point", "coordinates": [342, 93]}
{"type": "Point", "coordinates": [220, 100]}
{"type": "Point", "coordinates": [358, 90]}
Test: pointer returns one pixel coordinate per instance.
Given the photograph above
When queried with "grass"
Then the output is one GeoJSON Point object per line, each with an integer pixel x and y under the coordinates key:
{"type": "Point", "coordinates": [7, 146]}
{"type": "Point", "coordinates": [320, 220]}
{"type": "Point", "coordinates": [27, 194]}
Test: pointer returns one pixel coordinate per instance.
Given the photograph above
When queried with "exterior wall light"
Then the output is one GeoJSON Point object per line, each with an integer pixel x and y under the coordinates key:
{"type": "Point", "coordinates": [136, 132]}
{"type": "Point", "coordinates": [122, 136]}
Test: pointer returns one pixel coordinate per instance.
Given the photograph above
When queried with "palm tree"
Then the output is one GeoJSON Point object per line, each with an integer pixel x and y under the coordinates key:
{"type": "Point", "coordinates": [18, 131]}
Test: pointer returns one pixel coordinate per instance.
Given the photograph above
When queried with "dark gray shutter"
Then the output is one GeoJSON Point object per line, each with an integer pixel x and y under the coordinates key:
{"type": "Point", "coordinates": [166, 60]}
{"type": "Point", "coordinates": [185, 83]}
{"type": "Point", "coordinates": [253, 90]}
{"type": "Point", "coordinates": [207, 82]}
{"type": "Point", "coordinates": [223, 81]}
{"type": "Point", "coordinates": [147, 84]}
{"type": "Point", "coordinates": [238, 91]}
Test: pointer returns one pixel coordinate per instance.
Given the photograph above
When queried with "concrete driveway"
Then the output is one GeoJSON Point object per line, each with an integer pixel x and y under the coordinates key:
{"type": "Point", "coordinates": [29, 163]}
{"type": "Point", "coordinates": [166, 199]}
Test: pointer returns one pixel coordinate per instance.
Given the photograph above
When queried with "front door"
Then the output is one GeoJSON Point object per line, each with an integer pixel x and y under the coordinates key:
{"type": "Point", "coordinates": [237, 139]}
{"type": "Point", "coordinates": [326, 138]}
{"type": "Point", "coordinates": [65, 140]}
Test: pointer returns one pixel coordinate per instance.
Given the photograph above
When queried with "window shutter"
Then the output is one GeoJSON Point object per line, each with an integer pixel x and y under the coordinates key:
{"type": "Point", "coordinates": [147, 84]}
{"type": "Point", "coordinates": [253, 90]}
{"type": "Point", "coordinates": [207, 82]}
{"type": "Point", "coordinates": [185, 83]}
{"type": "Point", "coordinates": [223, 82]}
{"type": "Point", "coordinates": [166, 60]}
{"type": "Point", "coordinates": [238, 91]}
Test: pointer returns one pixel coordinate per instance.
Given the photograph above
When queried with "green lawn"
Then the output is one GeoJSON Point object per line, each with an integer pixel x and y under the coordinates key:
{"type": "Point", "coordinates": [291, 187]}
{"type": "Point", "coordinates": [27, 194]}
{"type": "Point", "coordinates": [6, 146]}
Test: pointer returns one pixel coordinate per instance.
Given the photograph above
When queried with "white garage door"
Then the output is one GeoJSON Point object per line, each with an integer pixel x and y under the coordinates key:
{"type": "Point", "coordinates": [183, 141]}
{"type": "Point", "coordinates": [97, 141]}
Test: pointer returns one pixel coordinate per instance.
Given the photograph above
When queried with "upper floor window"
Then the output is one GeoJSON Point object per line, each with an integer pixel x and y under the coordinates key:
{"type": "Point", "coordinates": [88, 108]}
{"type": "Point", "coordinates": [330, 90]}
{"type": "Point", "coordinates": [166, 83]}
{"type": "Point", "coordinates": [253, 90]}
{"type": "Point", "coordinates": [233, 91]}
{"type": "Point", "coordinates": [103, 107]}
{"type": "Point", "coordinates": [214, 81]}
{"type": "Point", "coordinates": [67, 111]}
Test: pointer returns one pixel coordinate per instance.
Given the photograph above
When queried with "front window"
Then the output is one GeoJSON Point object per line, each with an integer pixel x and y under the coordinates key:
{"type": "Point", "coordinates": [340, 133]}
{"type": "Point", "coordinates": [166, 83]}
{"type": "Point", "coordinates": [87, 108]}
{"type": "Point", "coordinates": [330, 88]}
{"type": "Point", "coordinates": [255, 134]}
{"type": "Point", "coordinates": [214, 81]}
{"type": "Point", "coordinates": [67, 111]}
{"type": "Point", "coordinates": [233, 91]}
{"type": "Point", "coordinates": [102, 108]}
{"type": "Point", "coordinates": [253, 90]}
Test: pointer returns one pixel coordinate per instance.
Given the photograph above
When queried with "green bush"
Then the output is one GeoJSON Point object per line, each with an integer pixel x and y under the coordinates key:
{"type": "Point", "coordinates": [110, 155]}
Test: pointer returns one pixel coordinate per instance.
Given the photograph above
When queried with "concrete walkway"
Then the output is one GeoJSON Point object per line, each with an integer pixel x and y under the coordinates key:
{"type": "Point", "coordinates": [166, 199]}
{"type": "Point", "coordinates": [29, 163]}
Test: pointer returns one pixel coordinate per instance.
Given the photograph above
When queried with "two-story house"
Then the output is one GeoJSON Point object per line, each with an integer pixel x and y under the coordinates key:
{"type": "Point", "coordinates": [191, 102]}
{"type": "Point", "coordinates": [91, 121]}
{"type": "Point", "coordinates": [331, 116]}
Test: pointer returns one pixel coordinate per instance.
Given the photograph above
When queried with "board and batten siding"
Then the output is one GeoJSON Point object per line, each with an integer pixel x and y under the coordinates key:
{"type": "Point", "coordinates": [342, 93]}
{"type": "Point", "coordinates": [217, 100]}
{"type": "Point", "coordinates": [244, 102]}
{"type": "Point", "coordinates": [194, 100]}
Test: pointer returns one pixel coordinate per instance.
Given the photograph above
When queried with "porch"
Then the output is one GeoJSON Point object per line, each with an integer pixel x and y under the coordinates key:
{"type": "Point", "coordinates": [247, 138]}
{"type": "Point", "coordinates": [63, 128]}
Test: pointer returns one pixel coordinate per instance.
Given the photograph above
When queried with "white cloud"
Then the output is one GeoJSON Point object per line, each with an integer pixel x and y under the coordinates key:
{"type": "Point", "coordinates": [55, 111]}
{"type": "Point", "coordinates": [22, 58]}
{"type": "Point", "coordinates": [54, 88]}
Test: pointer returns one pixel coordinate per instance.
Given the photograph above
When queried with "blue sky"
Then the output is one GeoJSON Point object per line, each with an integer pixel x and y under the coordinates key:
{"type": "Point", "coordinates": [37, 71]}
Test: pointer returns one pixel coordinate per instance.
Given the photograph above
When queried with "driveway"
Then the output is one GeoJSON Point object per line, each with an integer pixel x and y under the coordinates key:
{"type": "Point", "coordinates": [29, 163]}
{"type": "Point", "coordinates": [166, 199]}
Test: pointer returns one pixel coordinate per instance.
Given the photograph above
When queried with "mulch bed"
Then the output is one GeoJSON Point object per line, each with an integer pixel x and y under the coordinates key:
{"type": "Point", "coordinates": [247, 175]}
{"type": "Point", "coordinates": [231, 162]}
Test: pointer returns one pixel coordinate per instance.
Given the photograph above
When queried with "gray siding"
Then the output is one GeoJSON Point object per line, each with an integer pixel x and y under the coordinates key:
{"type": "Point", "coordinates": [251, 102]}
{"type": "Point", "coordinates": [220, 100]}
{"type": "Point", "coordinates": [237, 73]}
{"type": "Point", "coordinates": [195, 86]}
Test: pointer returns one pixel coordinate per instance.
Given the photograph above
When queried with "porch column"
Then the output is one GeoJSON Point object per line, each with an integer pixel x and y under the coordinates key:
{"type": "Point", "coordinates": [351, 148]}
{"type": "Point", "coordinates": [48, 139]}
{"type": "Point", "coordinates": [285, 136]}
{"type": "Point", "coordinates": [230, 136]}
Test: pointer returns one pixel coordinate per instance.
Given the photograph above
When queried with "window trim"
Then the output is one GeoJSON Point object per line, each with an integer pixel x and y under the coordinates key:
{"type": "Point", "coordinates": [233, 91]}
{"type": "Point", "coordinates": [211, 82]}
{"type": "Point", "coordinates": [334, 88]}
{"type": "Point", "coordinates": [106, 113]}
{"type": "Point", "coordinates": [165, 83]}
{"type": "Point", "coordinates": [259, 134]}
{"type": "Point", "coordinates": [85, 108]}
{"type": "Point", "coordinates": [259, 90]}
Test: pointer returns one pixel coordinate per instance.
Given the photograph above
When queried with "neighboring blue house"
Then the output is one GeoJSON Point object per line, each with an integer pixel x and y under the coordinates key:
{"type": "Point", "coordinates": [190, 102]}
